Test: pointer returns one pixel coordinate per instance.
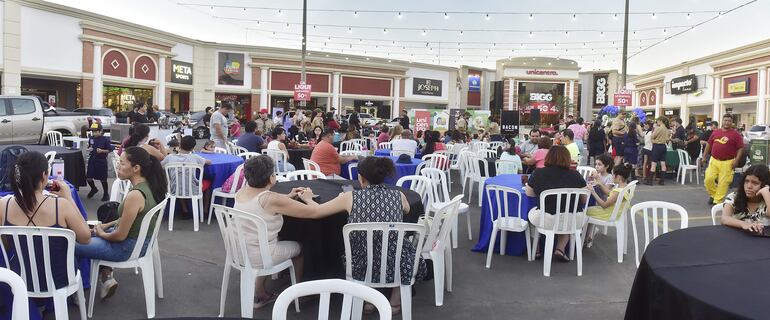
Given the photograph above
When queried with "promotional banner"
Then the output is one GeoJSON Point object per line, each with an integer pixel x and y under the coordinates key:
{"type": "Point", "coordinates": [426, 87]}
{"type": "Point", "coordinates": [302, 91]}
{"type": "Point", "coordinates": [421, 120]}
{"type": "Point", "coordinates": [231, 68]}
{"type": "Point", "coordinates": [509, 122]}
{"type": "Point", "coordinates": [479, 120]}
{"type": "Point", "coordinates": [738, 86]}
{"type": "Point", "coordinates": [432, 119]}
{"type": "Point", "coordinates": [474, 83]}
{"type": "Point", "coordinates": [684, 84]}
{"type": "Point", "coordinates": [601, 86]}
{"type": "Point", "coordinates": [623, 98]}
{"type": "Point", "coordinates": [454, 114]}
{"type": "Point", "coordinates": [542, 101]}
{"type": "Point", "coordinates": [181, 72]}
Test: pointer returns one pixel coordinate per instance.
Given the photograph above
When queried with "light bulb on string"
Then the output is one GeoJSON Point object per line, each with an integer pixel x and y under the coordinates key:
{"type": "Point", "coordinates": [531, 16]}
{"type": "Point", "coordinates": [211, 8]}
{"type": "Point", "coordinates": [446, 15]}
{"type": "Point", "coordinates": [288, 26]}
{"type": "Point", "coordinates": [400, 15]}
{"type": "Point", "coordinates": [654, 16]}
{"type": "Point", "coordinates": [615, 16]}
{"type": "Point", "coordinates": [531, 34]}
{"type": "Point", "coordinates": [244, 11]}
{"type": "Point", "coordinates": [384, 31]}
{"type": "Point", "coordinates": [689, 15]}
{"type": "Point", "coordinates": [355, 14]}
{"type": "Point", "coordinates": [280, 12]}
{"type": "Point", "coordinates": [664, 31]}
{"type": "Point", "coordinates": [424, 32]}
{"type": "Point", "coordinates": [461, 32]}
{"type": "Point", "coordinates": [487, 17]}
{"type": "Point", "coordinates": [601, 34]}
{"type": "Point", "coordinates": [521, 45]}
{"type": "Point", "coordinates": [257, 23]}
{"type": "Point", "coordinates": [350, 30]}
{"type": "Point", "coordinates": [584, 44]}
{"type": "Point", "coordinates": [566, 34]}
{"type": "Point", "coordinates": [574, 17]}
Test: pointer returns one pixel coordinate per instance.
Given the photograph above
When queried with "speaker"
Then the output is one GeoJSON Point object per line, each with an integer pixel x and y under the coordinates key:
{"type": "Point", "coordinates": [534, 116]}
{"type": "Point", "coordinates": [497, 94]}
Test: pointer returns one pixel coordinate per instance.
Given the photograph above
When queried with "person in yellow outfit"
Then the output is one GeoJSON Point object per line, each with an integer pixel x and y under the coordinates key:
{"type": "Point", "coordinates": [604, 208]}
{"type": "Point", "coordinates": [726, 149]}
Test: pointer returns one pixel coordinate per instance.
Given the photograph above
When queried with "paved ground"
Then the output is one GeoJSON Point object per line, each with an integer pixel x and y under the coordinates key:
{"type": "Point", "coordinates": [512, 288]}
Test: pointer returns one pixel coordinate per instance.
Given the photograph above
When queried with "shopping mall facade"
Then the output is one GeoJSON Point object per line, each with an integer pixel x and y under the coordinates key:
{"type": "Point", "coordinates": [733, 81]}
{"type": "Point", "coordinates": [73, 58]}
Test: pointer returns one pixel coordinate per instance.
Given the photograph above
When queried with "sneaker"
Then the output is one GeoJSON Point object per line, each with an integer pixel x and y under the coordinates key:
{"type": "Point", "coordinates": [108, 288]}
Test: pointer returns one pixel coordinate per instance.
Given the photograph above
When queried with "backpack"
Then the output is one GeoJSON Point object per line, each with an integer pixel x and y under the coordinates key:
{"type": "Point", "coordinates": [108, 212]}
{"type": "Point", "coordinates": [7, 161]}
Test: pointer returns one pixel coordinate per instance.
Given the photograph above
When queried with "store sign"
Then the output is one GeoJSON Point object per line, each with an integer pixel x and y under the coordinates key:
{"type": "Point", "coordinates": [684, 84]}
{"type": "Point", "coordinates": [668, 113]}
{"type": "Point", "coordinates": [231, 66]}
{"type": "Point", "coordinates": [426, 87]}
{"type": "Point", "coordinates": [302, 91]}
{"type": "Point", "coordinates": [474, 83]}
{"type": "Point", "coordinates": [738, 86]}
{"type": "Point", "coordinates": [509, 122]}
{"type": "Point", "coordinates": [181, 72]}
{"type": "Point", "coordinates": [421, 120]}
{"type": "Point", "coordinates": [542, 101]}
{"type": "Point", "coordinates": [600, 90]}
{"type": "Point", "coordinates": [623, 98]}
{"type": "Point", "coordinates": [536, 72]}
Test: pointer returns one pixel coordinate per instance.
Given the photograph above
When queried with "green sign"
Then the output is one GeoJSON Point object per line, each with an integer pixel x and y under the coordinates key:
{"type": "Point", "coordinates": [758, 151]}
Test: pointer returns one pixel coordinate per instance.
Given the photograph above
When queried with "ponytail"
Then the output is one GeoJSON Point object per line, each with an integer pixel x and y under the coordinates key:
{"type": "Point", "coordinates": [623, 170]}
{"type": "Point", "coordinates": [137, 133]}
{"type": "Point", "coordinates": [27, 173]}
{"type": "Point", "coordinates": [151, 170]}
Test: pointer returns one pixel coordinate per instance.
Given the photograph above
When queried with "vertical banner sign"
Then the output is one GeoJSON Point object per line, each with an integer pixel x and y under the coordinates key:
{"type": "Point", "coordinates": [509, 123]}
{"type": "Point", "coordinates": [623, 98]}
{"type": "Point", "coordinates": [600, 90]}
{"type": "Point", "coordinates": [302, 92]}
{"type": "Point", "coordinates": [454, 114]}
{"type": "Point", "coordinates": [474, 83]}
{"type": "Point", "coordinates": [421, 120]}
{"type": "Point", "coordinates": [231, 68]}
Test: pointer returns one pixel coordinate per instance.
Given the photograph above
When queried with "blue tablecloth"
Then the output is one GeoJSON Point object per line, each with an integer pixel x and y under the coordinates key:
{"type": "Point", "coordinates": [516, 242]}
{"type": "Point", "coordinates": [221, 167]}
{"type": "Point", "coordinates": [402, 169]}
{"type": "Point", "coordinates": [386, 153]}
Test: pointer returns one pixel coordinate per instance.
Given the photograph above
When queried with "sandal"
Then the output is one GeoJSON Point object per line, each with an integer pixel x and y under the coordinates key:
{"type": "Point", "coordinates": [560, 255]}
{"type": "Point", "coordinates": [589, 242]}
{"type": "Point", "coordinates": [261, 303]}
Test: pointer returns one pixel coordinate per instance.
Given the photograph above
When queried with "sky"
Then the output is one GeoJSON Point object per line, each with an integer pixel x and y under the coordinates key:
{"type": "Point", "coordinates": [454, 33]}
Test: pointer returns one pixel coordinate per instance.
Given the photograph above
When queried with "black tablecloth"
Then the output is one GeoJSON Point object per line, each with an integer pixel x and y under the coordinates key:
{"type": "Point", "coordinates": [296, 155]}
{"type": "Point", "coordinates": [490, 166]}
{"type": "Point", "coordinates": [74, 164]}
{"type": "Point", "coordinates": [713, 272]}
{"type": "Point", "coordinates": [321, 239]}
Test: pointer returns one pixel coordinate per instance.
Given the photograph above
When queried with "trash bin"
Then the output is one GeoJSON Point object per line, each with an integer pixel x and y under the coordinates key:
{"type": "Point", "coordinates": [758, 151]}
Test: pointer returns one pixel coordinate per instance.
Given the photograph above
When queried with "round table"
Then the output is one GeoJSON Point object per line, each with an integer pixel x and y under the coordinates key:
{"type": "Point", "coordinates": [712, 272]}
{"type": "Point", "coordinates": [402, 169]}
{"type": "Point", "coordinates": [221, 167]}
{"type": "Point", "coordinates": [74, 163]}
{"type": "Point", "coordinates": [386, 153]}
{"type": "Point", "coordinates": [321, 239]}
{"type": "Point", "coordinates": [296, 155]}
{"type": "Point", "coordinates": [516, 242]}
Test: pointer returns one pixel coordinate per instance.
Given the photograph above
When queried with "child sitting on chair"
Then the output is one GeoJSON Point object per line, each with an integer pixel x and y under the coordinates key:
{"type": "Point", "coordinates": [604, 208]}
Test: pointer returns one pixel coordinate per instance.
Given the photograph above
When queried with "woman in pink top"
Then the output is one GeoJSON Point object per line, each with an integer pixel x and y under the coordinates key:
{"type": "Point", "coordinates": [579, 129]}
{"type": "Point", "coordinates": [538, 157]}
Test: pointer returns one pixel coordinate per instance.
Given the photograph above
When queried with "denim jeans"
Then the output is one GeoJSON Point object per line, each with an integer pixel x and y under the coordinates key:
{"type": "Point", "coordinates": [102, 249]}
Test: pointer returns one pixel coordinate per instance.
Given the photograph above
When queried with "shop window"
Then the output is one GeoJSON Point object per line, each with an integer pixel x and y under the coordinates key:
{"type": "Point", "coordinates": [22, 106]}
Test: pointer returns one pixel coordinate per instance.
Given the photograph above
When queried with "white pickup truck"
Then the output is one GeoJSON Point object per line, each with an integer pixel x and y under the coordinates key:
{"type": "Point", "coordinates": [26, 119]}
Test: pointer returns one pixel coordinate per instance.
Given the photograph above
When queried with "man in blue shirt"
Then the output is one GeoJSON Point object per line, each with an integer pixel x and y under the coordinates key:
{"type": "Point", "coordinates": [250, 140]}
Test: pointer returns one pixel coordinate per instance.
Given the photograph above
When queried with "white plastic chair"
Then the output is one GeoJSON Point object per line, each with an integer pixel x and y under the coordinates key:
{"type": "Point", "coordinates": [305, 175]}
{"type": "Point", "coordinates": [239, 150]}
{"type": "Point", "coordinates": [350, 170]}
{"type": "Point", "coordinates": [438, 197]}
{"type": "Point", "coordinates": [231, 148]}
{"type": "Point", "coordinates": [232, 224]}
{"type": "Point", "coordinates": [487, 153]}
{"type": "Point", "coordinates": [619, 219]}
{"type": "Point", "coordinates": [115, 162]}
{"type": "Point", "coordinates": [654, 215]}
{"type": "Point", "coordinates": [479, 145]}
{"type": "Point", "coordinates": [20, 304]}
{"type": "Point", "coordinates": [55, 138]}
{"type": "Point", "coordinates": [476, 171]}
{"type": "Point", "coordinates": [219, 150]}
{"type": "Point", "coordinates": [716, 210]}
{"type": "Point", "coordinates": [248, 155]}
{"type": "Point", "coordinates": [149, 262]}
{"type": "Point", "coordinates": [464, 170]}
{"type": "Point", "coordinates": [436, 247]}
{"type": "Point", "coordinates": [455, 161]}
{"type": "Point", "coordinates": [185, 175]}
{"type": "Point", "coordinates": [586, 171]}
{"type": "Point", "coordinates": [564, 222]}
{"type": "Point", "coordinates": [15, 236]}
{"type": "Point", "coordinates": [310, 165]}
{"type": "Point", "coordinates": [169, 137]}
{"type": "Point", "coordinates": [218, 193]}
{"type": "Point", "coordinates": [397, 153]}
{"type": "Point", "coordinates": [507, 167]}
{"type": "Point", "coordinates": [685, 166]}
{"type": "Point", "coordinates": [385, 145]}
{"type": "Point", "coordinates": [50, 156]}
{"type": "Point", "coordinates": [420, 184]}
{"type": "Point", "coordinates": [495, 144]}
{"type": "Point", "coordinates": [435, 160]}
{"type": "Point", "coordinates": [324, 288]}
{"type": "Point", "coordinates": [505, 219]}
{"type": "Point", "coordinates": [350, 145]}
{"type": "Point", "coordinates": [347, 153]}
{"type": "Point", "coordinates": [278, 157]}
{"type": "Point", "coordinates": [414, 232]}
{"type": "Point", "coordinates": [119, 190]}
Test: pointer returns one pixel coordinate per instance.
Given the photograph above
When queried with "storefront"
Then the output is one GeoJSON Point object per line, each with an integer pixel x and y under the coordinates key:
{"type": "Point", "coordinates": [180, 102]}
{"type": "Point", "coordinates": [241, 103]}
{"type": "Point", "coordinates": [61, 94]}
{"type": "Point", "coordinates": [288, 103]}
{"type": "Point", "coordinates": [671, 113]}
{"type": "Point", "coordinates": [547, 99]}
{"type": "Point", "coordinates": [745, 114]}
{"type": "Point", "coordinates": [702, 114]}
{"type": "Point", "coordinates": [122, 99]}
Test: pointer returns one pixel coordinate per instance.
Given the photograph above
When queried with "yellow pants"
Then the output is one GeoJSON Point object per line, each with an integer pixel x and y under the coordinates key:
{"type": "Point", "coordinates": [720, 171]}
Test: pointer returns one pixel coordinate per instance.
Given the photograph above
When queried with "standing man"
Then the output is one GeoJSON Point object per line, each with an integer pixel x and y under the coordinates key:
{"type": "Point", "coordinates": [264, 124]}
{"type": "Point", "coordinates": [218, 128]}
{"type": "Point", "coordinates": [403, 120]}
{"type": "Point", "coordinates": [618, 130]}
{"type": "Point", "coordinates": [726, 149]}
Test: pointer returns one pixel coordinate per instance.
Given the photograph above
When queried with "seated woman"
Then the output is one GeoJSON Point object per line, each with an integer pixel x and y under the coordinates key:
{"type": "Point", "coordinates": [375, 203]}
{"type": "Point", "coordinates": [139, 137]}
{"type": "Point", "coordinates": [603, 209]}
{"type": "Point", "coordinates": [315, 136]}
{"type": "Point", "coordinates": [115, 240]}
{"type": "Point", "coordinates": [556, 174]}
{"type": "Point", "coordinates": [256, 198]}
{"type": "Point", "coordinates": [279, 137]}
{"type": "Point", "coordinates": [510, 155]}
{"type": "Point", "coordinates": [602, 179]}
{"type": "Point", "coordinates": [31, 206]}
{"type": "Point", "coordinates": [537, 159]}
{"type": "Point", "coordinates": [747, 207]}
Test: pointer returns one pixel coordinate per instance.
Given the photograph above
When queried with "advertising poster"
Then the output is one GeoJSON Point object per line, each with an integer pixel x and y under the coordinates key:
{"type": "Point", "coordinates": [231, 68]}
{"type": "Point", "coordinates": [509, 123]}
{"type": "Point", "coordinates": [474, 83]}
{"type": "Point", "coordinates": [453, 115]}
{"type": "Point", "coordinates": [421, 120]}
{"type": "Point", "coordinates": [479, 120]}
{"type": "Point", "coordinates": [435, 119]}
{"type": "Point", "coordinates": [601, 87]}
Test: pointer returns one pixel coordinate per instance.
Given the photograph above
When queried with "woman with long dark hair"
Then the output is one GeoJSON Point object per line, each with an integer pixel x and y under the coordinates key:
{"type": "Point", "coordinates": [430, 143]}
{"type": "Point", "coordinates": [114, 241]}
{"type": "Point", "coordinates": [597, 140]}
{"type": "Point", "coordinates": [747, 208]}
{"type": "Point", "coordinates": [138, 136]}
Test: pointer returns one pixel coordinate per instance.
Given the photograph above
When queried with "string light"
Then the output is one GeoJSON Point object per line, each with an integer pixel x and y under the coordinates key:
{"type": "Point", "coordinates": [384, 31]}
{"type": "Point", "coordinates": [531, 16]}
{"type": "Point", "coordinates": [601, 34]}
{"type": "Point", "coordinates": [487, 17]}
{"type": "Point", "coordinates": [566, 33]}
{"type": "Point", "coordinates": [400, 15]}
{"type": "Point", "coordinates": [689, 15]}
{"type": "Point", "coordinates": [574, 17]}
{"type": "Point", "coordinates": [350, 30]}
{"type": "Point", "coordinates": [446, 15]}
{"type": "Point", "coordinates": [424, 32]}
{"type": "Point", "coordinates": [257, 23]}
{"type": "Point", "coordinates": [615, 16]}
{"type": "Point", "coordinates": [355, 14]}
{"type": "Point", "coordinates": [244, 10]}
{"type": "Point", "coordinates": [531, 34]}
{"type": "Point", "coordinates": [280, 12]}
{"type": "Point", "coordinates": [461, 32]}
{"type": "Point", "coordinates": [211, 8]}
{"type": "Point", "coordinates": [654, 16]}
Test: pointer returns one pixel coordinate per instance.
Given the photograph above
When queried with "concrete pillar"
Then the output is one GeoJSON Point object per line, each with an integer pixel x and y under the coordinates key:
{"type": "Point", "coordinates": [658, 112]}
{"type": "Point", "coordinates": [263, 88]}
{"type": "Point", "coordinates": [571, 94]}
{"type": "Point", "coordinates": [717, 110]}
{"type": "Point", "coordinates": [204, 78]}
{"type": "Point", "coordinates": [336, 91]}
{"type": "Point", "coordinates": [396, 98]}
{"type": "Point", "coordinates": [97, 92]}
{"type": "Point", "coordinates": [162, 83]}
{"type": "Point", "coordinates": [12, 48]}
{"type": "Point", "coordinates": [510, 94]}
{"type": "Point", "coordinates": [762, 96]}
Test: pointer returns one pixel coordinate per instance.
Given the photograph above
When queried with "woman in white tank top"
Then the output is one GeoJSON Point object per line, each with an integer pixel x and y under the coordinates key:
{"type": "Point", "coordinates": [279, 136]}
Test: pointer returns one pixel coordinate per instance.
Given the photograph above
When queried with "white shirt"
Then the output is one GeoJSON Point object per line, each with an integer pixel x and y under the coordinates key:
{"type": "Point", "coordinates": [648, 140]}
{"type": "Point", "coordinates": [218, 117]}
{"type": "Point", "coordinates": [404, 145]}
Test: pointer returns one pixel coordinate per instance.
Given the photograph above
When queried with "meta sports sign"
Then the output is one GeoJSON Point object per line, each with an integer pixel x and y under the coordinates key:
{"type": "Point", "coordinates": [181, 72]}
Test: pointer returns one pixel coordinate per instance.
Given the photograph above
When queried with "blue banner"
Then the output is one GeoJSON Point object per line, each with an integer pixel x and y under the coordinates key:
{"type": "Point", "coordinates": [474, 83]}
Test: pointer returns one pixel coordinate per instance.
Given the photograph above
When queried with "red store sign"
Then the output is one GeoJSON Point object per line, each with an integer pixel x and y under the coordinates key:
{"type": "Point", "coordinates": [302, 91]}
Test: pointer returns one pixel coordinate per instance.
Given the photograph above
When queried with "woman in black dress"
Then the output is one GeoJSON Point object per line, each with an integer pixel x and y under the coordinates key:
{"type": "Point", "coordinates": [597, 140]}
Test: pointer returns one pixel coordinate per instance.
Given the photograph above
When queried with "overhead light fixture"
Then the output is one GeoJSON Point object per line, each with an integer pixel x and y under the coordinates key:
{"type": "Point", "coordinates": [574, 17]}
{"type": "Point", "coordinates": [400, 15]}
{"type": "Point", "coordinates": [355, 13]}
{"type": "Point", "coordinates": [487, 17]}
{"type": "Point", "coordinates": [446, 15]}
{"type": "Point", "coordinates": [280, 12]}
{"type": "Point", "coordinates": [615, 16]}
{"type": "Point", "coordinates": [531, 16]}
{"type": "Point", "coordinates": [654, 16]}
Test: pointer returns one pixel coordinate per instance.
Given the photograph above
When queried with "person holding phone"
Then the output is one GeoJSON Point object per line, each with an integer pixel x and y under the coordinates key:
{"type": "Point", "coordinates": [747, 207]}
